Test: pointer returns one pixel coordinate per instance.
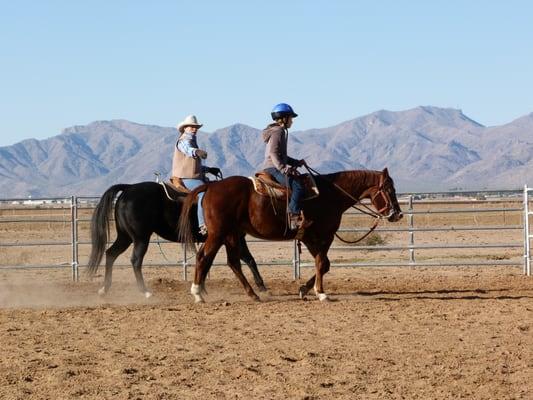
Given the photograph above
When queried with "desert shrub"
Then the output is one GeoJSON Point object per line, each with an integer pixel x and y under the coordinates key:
{"type": "Point", "coordinates": [374, 239]}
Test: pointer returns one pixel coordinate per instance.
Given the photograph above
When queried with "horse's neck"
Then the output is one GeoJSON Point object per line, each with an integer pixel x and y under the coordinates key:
{"type": "Point", "coordinates": [355, 183]}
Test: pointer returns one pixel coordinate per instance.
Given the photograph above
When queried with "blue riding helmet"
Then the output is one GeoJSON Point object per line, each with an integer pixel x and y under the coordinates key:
{"type": "Point", "coordinates": [282, 110]}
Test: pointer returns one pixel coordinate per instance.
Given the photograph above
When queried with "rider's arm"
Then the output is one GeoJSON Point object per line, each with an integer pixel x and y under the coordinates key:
{"type": "Point", "coordinates": [186, 146]}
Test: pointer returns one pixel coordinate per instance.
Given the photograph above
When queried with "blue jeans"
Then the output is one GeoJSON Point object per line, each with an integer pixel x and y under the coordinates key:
{"type": "Point", "coordinates": [297, 188]}
{"type": "Point", "coordinates": [193, 184]}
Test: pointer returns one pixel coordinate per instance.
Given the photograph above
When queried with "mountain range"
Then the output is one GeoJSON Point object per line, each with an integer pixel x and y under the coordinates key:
{"type": "Point", "coordinates": [425, 148]}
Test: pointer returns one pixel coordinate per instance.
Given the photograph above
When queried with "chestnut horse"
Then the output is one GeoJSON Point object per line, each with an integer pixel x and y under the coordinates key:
{"type": "Point", "coordinates": [232, 207]}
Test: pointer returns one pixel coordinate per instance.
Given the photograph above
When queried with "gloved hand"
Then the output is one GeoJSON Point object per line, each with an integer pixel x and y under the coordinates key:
{"type": "Point", "coordinates": [290, 171]}
{"type": "Point", "coordinates": [302, 163]}
{"type": "Point", "coordinates": [214, 171]}
{"type": "Point", "coordinates": [201, 153]}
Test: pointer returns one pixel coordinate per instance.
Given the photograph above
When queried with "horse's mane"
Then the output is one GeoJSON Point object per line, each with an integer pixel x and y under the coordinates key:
{"type": "Point", "coordinates": [358, 177]}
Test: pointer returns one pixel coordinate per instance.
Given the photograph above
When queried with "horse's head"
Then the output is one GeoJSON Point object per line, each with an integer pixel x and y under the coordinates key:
{"type": "Point", "coordinates": [383, 197]}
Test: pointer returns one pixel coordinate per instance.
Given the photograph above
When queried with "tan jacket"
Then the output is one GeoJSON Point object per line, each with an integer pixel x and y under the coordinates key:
{"type": "Point", "coordinates": [184, 166]}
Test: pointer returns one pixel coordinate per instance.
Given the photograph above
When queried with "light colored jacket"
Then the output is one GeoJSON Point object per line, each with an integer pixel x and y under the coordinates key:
{"type": "Point", "coordinates": [275, 137]}
{"type": "Point", "coordinates": [185, 163]}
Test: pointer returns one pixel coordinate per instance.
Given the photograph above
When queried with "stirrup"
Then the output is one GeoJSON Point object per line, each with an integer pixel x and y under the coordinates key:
{"type": "Point", "coordinates": [202, 229]}
{"type": "Point", "coordinates": [298, 221]}
{"type": "Point", "coordinates": [295, 221]}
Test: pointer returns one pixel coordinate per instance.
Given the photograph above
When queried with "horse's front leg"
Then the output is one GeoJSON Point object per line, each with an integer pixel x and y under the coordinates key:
{"type": "Point", "coordinates": [321, 267]}
{"type": "Point", "coordinates": [316, 282]}
{"type": "Point", "coordinates": [319, 250]}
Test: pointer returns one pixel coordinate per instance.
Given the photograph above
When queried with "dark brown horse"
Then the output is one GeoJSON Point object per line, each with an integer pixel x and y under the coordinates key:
{"type": "Point", "coordinates": [232, 207]}
{"type": "Point", "coordinates": [141, 210]}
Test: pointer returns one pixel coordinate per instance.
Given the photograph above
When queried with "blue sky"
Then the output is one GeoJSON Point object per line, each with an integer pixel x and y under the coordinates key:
{"type": "Point", "coordinates": [65, 63]}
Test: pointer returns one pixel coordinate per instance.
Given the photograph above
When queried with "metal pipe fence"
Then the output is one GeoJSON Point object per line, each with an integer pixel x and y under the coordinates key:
{"type": "Point", "coordinates": [75, 211]}
{"type": "Point", "coordinates": [511, 197]}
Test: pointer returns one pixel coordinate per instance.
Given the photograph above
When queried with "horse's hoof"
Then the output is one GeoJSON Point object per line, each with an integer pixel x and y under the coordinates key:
{"type": "Point", "coordinates": [148, 294]}
{"type": "Point", "coordinates": [262, 288]}
{"type": "Point", "coordinates": [102, 291]}
{"type": "Point", "coordinates": [302, 292]}
{"type": "Point", "coordinates": [198, 300]}
{"type": "Point", "coordinates": [323, 297]}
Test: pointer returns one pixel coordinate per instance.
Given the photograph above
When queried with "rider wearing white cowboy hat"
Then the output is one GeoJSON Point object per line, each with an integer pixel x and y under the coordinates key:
{"type": "Point", "coordinates": [187, 162]}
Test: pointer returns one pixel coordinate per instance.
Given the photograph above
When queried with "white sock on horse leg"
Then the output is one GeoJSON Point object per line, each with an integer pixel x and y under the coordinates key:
{"type": "Point", "coordinates": [322, 296]}
{"type": "Point", "coordinates": [196, 289]}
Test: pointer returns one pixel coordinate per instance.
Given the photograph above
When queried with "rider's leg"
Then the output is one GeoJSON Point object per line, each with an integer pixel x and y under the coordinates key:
{"type": "Point", "coordinates": [193, 184]}
{"type": "Point", "coordinates": [278, 176]}
{"type": "Point", "coordinates": [297, 193]}
{"type": "Point", "coordinates": [297, 189]}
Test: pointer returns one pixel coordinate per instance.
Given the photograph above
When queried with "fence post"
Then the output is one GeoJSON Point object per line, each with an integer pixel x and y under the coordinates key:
{"type": "Point", "coordinates": [298, 257]}
{"type": "Point", "coordinates": [527, 248]}
{"type": "Point", "coordinates": [184, 262]}
{"type": "Point", "coordinates": [295, 260]}
{"type": "Point", "coordinates": [411, 231]}
{"type": "Point", "coordinates": [74, 237]}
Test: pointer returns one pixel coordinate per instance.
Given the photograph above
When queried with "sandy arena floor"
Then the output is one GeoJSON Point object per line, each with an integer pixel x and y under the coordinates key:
{"type": "Point", "coordinates": [389, 333]}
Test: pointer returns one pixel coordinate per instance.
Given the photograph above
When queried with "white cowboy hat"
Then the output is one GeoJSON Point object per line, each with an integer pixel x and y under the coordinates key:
{"type": "Point", "coordinates": [190, 120]}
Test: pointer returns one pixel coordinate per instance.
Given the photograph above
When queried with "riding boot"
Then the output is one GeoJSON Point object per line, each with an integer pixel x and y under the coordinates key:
{"type": "Point", "coordinates": [295, 221]}
{"type": "Point", "coordinates": [298, 221]}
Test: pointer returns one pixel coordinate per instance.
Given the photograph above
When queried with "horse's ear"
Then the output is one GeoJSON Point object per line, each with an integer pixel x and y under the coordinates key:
{"type": "Point", "coordinates": [385, 172]}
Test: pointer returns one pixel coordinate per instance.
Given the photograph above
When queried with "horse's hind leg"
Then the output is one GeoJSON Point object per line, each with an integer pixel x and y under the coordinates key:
{"type": "Point", "coordinates": [247, 257]}
{"type": "Point", "coordinates": [139, 250]}
{"type": "Point", "coordinates": [204, 259]}
{"type": "Point", "coordinates": [232, 251]}
{"type": "Point", "coordinates": [122, 242]}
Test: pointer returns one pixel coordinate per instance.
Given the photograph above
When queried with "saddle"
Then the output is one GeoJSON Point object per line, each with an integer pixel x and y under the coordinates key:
{"type": "Point", "coordinates": [266, 185]}
{"type": "Point", "coordinates": [174, 189]}
{"type": "Point", "coordinates": [177, 184]}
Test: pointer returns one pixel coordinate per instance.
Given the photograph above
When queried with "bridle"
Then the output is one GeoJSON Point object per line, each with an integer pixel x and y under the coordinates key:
{"type": "Point", "coordinates": [363, 208]}
{"type": "Point", "coordinates": [384, 194]}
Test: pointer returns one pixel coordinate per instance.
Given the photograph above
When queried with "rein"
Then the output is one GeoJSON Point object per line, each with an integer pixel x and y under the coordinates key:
{"type": "Point", "coordinates": [376, 222]}
{"type": "Point", "coordinates": [368, 210]}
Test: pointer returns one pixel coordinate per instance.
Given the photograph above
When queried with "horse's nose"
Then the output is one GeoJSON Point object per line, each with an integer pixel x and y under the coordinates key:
{"type": "Point", "coordinates": [396, 217]}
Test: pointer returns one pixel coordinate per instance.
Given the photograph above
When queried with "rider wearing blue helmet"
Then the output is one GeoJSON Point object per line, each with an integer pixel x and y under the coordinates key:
{"type": "Point", "coordinates": [282, 167]}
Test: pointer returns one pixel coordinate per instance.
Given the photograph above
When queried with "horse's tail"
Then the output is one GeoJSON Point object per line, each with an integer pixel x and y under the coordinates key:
{"type": "Point", "coordinates": [100, 226]}
{"type": "Point", "coordinates": [186, 235]}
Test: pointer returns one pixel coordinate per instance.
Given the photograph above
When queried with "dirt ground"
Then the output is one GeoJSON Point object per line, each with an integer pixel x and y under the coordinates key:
{"type": "Point", "coordinates": [389, 333]}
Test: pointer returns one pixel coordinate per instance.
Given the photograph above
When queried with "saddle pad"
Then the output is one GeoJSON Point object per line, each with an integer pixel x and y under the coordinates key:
{"type": "Point", "coordinates": [267, 189]}
{"type": "Point", "coordinates": [265, 185]}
